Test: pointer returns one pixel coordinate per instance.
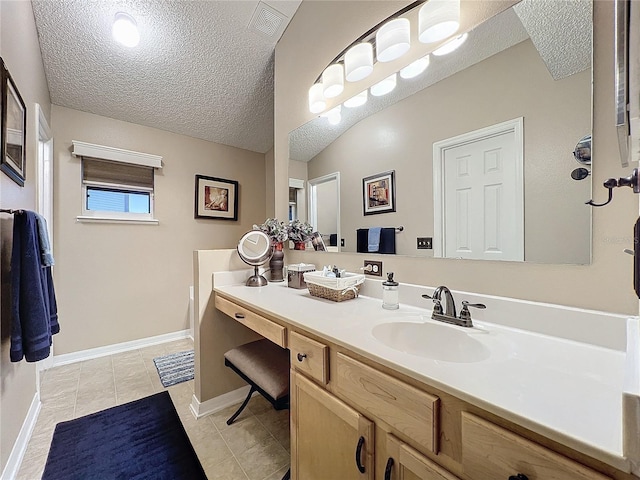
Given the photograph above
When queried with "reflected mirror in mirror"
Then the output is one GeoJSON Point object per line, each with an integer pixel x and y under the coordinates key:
{"type": "Point", "coordinates": [481, 144]}
{"type": "Point", "coordinates": [255, 249]}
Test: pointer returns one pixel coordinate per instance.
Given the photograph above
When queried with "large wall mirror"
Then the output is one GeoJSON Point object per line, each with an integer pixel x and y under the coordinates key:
{"type": "Point", "coordinates": [515, 99]}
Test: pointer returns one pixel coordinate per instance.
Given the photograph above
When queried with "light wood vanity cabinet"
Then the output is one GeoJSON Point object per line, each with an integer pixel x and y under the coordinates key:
{"type": "Point", "coordinates": [489, 451]}
{"type": "Point", "coordinates": [339, 405]}
{"type": "Point", "coordinates": [329, 439]}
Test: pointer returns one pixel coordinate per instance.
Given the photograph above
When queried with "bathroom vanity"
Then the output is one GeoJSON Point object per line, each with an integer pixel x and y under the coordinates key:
{"type": "Point", "coordinates": [390, 395]}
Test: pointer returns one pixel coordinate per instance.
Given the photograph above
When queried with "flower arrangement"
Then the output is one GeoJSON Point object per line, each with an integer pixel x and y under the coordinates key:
{"type": "Point", "coordinates": [300, 231]}
{"type": "Point", "coordinates": [275, 229]}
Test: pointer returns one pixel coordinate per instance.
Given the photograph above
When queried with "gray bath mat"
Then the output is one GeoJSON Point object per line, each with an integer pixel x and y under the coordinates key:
{"type": "Point", "coordinates": [175, 367]}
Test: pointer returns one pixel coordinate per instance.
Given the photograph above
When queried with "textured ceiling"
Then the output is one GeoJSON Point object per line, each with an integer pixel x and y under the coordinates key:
{"type": "Point", "coordinates": [198, 70]}
{"type": "Point", "coordinates": [560, 30]}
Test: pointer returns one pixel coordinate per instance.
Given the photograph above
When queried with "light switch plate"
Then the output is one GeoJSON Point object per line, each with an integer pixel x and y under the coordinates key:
{"type": "Point", "coordinates": [372, 267]}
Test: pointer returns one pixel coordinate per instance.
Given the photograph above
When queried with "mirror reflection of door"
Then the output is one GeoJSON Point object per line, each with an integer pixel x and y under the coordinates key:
{"type": "Point", "coordinates": [479, 194]}
{"type": "Point", "coordinates": [324, 209]}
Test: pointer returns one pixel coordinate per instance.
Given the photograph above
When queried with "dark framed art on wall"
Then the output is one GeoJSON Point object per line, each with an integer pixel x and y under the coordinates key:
{"type": "Point", "coordinates": [216, 198]}
{"type": "Point", "coordinates": [379, 193]}
{"type": "Point", "coordinates": [14, 127]}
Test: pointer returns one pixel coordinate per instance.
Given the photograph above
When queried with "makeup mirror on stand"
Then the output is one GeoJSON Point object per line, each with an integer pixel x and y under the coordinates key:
{"type": "Point", "coordinates": [255, 249]}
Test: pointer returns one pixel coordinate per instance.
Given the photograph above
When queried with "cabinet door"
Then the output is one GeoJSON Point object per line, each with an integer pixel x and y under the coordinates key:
{"type": "Point", "coordinates": [405, 463]}
{"type": "Point", "coordinates": [329, 439]}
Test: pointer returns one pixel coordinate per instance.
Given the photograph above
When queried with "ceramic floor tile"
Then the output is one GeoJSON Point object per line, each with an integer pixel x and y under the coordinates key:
{"type": "Point", "coordinates": [31, 468]}
{"type": "Point", "coordinates": [244, 435]}
{"type": "Point", "coordinates": [277, 424]}
{"type": "Point", "coordinates": [228, 469]}
{"type": "Point", "coordinates": [153, 351]}
{"type": "Point", "coordinates": [101, 365]}
{"type": "Point", "coordinates": [279, 474]}
{"type": "Point", "coordinates": [220, 418]}
{"type": "Point", "coordinates": [131, 393]}
{"type": "Point", "coordinates": [261, 461]}
{"type": "Point", "coordinates": [96, 384]}
{"type": "Point", "coordinates": [92, 403]}
{"type": "Point", "coordinates": [259, 404]}
{"type": "Point", "coordinates": [208, 444]}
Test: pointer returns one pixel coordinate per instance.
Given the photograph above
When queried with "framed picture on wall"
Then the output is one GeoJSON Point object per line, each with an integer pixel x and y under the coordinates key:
{"type": "Point", "coordinates": [379, 193]}
{"type": "Point", "coordinates": [216, 198]}
{"type": "Point", "coordinates": [13, 159]}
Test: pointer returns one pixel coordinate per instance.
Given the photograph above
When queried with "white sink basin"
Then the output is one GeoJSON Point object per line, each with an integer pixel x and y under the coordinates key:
{"type": "Point", "coordinates": [432, 340]}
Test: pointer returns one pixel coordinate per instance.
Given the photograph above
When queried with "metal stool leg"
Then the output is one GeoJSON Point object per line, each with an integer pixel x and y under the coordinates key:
{"type": "Point", "coordinates": [244, 404]}
{"type": "Point", "coordinates": [287, 475]}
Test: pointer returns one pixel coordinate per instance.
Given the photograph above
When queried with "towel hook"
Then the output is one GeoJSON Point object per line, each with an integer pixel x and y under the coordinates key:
{"type": "Point", "coordinates": [611, 183]}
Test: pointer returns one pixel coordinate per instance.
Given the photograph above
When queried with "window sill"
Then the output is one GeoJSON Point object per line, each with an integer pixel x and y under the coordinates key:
{"type": "Point", "coordinates": [141, 221]}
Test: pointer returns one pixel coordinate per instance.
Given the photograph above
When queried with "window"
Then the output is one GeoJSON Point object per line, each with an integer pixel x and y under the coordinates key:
{"type": "Point", "coordinates": [117, 191]}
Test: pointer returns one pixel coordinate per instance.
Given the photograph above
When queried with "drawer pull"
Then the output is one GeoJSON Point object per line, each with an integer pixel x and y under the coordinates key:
{"type": "Point", "coordinates": [239, 315]}
{"type": "Point", "coordinates": [301, 356]}
{"type": "Point", "coordinates": [519, 476]}
{"type": "Point", "coordinates": [359, 454]}
{"type": "Point", "coordinates": [387, 470]}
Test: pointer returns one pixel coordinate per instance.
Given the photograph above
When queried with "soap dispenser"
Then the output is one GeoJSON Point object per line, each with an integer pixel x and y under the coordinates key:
{"type": "Point", "coordinates": [390, 293]}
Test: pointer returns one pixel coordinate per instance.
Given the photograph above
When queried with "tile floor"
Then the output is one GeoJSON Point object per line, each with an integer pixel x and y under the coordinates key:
{"type": "Point", "coordinates": [254, 447]}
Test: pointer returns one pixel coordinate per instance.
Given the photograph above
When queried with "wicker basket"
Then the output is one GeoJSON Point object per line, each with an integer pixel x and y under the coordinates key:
{"type": "Point", "coordinates": [334, 289]}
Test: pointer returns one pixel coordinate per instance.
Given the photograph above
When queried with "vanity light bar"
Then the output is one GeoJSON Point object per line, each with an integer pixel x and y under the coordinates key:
{"type": "Point", "coordinates": [391, 38]}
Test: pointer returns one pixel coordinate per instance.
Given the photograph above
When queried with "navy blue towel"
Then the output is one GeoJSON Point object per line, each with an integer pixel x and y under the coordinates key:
{"type": "Point", "coordinates": [34, 316]}
{"type": "Point", "coordinates": [387, 240]}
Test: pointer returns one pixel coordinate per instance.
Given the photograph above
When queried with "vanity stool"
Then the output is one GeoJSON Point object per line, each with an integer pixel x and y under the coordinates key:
{"type": "Point", "coordinates": [265, 367]}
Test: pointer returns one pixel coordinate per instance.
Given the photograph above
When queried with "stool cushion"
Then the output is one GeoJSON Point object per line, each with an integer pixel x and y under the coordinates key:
{"type": "Point", "coordinates": [265, 363]}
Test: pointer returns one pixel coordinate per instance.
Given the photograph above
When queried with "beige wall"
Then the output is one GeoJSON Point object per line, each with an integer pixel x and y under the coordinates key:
{"type": "Point", "coordinates": [514, 83]}
{"type": "Point", "coordinates": [320, 30]}
{"type": "Point", "coordinates": [118, 282]}
{"type": "Point", "coordinates": [270, 193]}
{"type": "Point", "coordinates": [21, 53]}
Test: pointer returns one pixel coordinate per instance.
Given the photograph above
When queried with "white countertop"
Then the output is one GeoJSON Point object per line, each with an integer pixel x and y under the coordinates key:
{"type": "Point", "coordinates": [568, 391]}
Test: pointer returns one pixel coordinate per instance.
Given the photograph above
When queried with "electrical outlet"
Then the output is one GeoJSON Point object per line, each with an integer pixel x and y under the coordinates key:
{"type": "Point", "coordinates": [425, 243]}
{"type": "Point", "coordinates": [371, 267]}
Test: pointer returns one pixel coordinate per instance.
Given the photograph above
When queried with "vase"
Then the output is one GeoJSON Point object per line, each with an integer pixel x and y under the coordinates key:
{"type": "Point", "coordinates": [276, 263]}
{"type": "Point", "coordinates": [299, 245]}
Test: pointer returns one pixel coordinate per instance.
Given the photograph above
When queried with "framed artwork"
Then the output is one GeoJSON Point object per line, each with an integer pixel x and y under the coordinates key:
{"type": "Point", "coordinates": [379, 193]}
{"type": "Point", "coordinates": [14, 127]}
{"type": "Point", "coordinates": [216, 198]}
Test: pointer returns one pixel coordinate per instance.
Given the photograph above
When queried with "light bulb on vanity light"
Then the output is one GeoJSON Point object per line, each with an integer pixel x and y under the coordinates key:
{"type": "Point", "coordinates": [334, 116]}
{"type": "Point", "coordinates": [393, 39]}
{"type": "Point", "coordinates": [451, 45]}
{"type": "Point", "coordinates": [384, 87]}
{"type": "Point", "coordinates": [333, 80]}
{"type": "Point", "coordinates": [125, 30]}
{"type": "Point", "coordinates": [358, 62]}
{"type": "Point", "coordinates": [438, 19]}
{"type": "Point", "coordinates": [316, 99]}
{"type": "Point", "coordinates": [416, 68]}
{"type": "Point", "coordinates": [357, 100]}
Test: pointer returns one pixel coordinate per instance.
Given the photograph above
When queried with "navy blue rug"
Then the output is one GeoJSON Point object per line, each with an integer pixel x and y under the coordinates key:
{"type": "Point", "coordinates": [138, 440]}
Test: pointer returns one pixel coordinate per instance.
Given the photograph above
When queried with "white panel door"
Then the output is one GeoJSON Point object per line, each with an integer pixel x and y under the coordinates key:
{"type": "Point", "coordinates": [482, 201]}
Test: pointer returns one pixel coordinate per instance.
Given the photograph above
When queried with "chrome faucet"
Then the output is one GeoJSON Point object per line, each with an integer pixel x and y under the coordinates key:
{"type": "Point", "coordinates": [449, 314]}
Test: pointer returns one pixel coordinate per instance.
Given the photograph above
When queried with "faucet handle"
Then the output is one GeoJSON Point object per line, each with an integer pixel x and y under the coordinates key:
{"type": "Point", "coordinates": [465, 314]}
{"type": "Point", "coordinates": [424, 295]}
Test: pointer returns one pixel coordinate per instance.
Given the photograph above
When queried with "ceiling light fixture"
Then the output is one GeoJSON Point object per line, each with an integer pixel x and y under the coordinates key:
{"type": "Point", "coordinates": [358, 62]}
{"type": "Point", "coordinates": [125, 30]}
{"type": "Point", "coordinates": [333, 80]}
{"type": "Point", "coordinates": [416, 68]}
{"type": "Point", "coordinates": [334, 116]}
{"type": "Point", "coordinates": [393, 40]}
{"type": "Point", "coordinates": [438, 19]}
{"type": "Point", "coordinates": [357, 101]}
{"type": "Point", "coordinates": [385, 86]}
{"type": "Point", "coordinates": [451, 45]}
{"type": "Point", "coordinates": [316, 99]}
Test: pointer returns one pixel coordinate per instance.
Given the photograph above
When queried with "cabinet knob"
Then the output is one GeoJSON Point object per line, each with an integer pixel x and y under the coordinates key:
{"type": "Point", "coordinates": [519, 476]}
{"type": "Point", "coordinates": [239, 315]}
{"type": "Point", "coordinates": [359, 454]}
{"type": "Point", "coordinates": [388, 468]}
{"type": "Point", "coordinates": [302, 356]}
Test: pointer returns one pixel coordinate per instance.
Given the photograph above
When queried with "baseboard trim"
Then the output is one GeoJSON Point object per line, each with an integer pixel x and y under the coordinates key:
{"type": "Point", "coordinates": [213, 405]}
{"type": "Point", "coordinates": [14, 461]}
{"type": "Point", "coordinates": [82, 355]}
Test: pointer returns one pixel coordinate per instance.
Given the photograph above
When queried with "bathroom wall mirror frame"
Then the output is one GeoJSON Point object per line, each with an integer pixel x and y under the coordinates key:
{"type": "Point", "coordinates": [532, 61]}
